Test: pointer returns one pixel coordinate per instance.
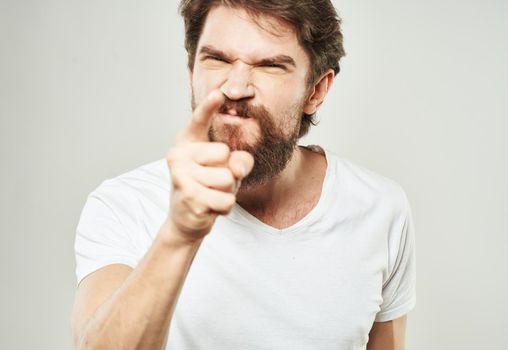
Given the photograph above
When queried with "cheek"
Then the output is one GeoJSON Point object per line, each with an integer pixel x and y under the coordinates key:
{"type": "Point", "coordinates": [279, 92]}
{"type": "Point", "coordinates": [282, 103]}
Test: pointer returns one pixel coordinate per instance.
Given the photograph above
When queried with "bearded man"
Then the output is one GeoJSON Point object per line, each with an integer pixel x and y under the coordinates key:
{"type": "Point", "coordinates": [240, 238]}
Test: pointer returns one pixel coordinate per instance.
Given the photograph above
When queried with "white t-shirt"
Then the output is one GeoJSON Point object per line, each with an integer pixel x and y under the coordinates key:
{"type": "Point", "coordinates": [319, 284]}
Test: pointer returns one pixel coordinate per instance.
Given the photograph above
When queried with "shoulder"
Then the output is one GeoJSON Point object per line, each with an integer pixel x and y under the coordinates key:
{"type": "Point", "coordinates": [127, 204]}
{"type": "Point", "coordinates": [127, 191]}
{"type": "Point", "coordinates": [153, 175]}
{"type": "Point", "coordinates": [120, 218]}
{"type": "Point", "coordinates": [368, 187]}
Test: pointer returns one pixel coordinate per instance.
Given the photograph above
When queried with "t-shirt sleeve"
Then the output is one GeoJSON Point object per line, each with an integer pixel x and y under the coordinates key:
{"type": "Point", "coordinates": [399, 290]}
{"type": "Point", "coordinates": [103, 233]}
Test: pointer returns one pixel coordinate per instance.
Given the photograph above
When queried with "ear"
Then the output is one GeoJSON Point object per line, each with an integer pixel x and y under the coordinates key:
{"type": "Point", "coordinates": [319, 92]}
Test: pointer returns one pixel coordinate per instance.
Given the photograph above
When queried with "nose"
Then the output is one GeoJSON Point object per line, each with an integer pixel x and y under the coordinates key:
{"type": "Point", "coordinates": [238, 82]}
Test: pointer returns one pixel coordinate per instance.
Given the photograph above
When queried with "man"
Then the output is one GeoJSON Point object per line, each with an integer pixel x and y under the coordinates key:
{"type": "Point", "coordinates": [240, 238]}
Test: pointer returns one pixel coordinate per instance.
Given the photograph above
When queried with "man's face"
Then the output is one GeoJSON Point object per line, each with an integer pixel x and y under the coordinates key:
{"type": "Point", "coordinates": [262, 70]}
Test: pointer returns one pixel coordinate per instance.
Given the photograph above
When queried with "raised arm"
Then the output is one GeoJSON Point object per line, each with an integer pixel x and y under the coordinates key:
{"type": "Point", "coordinates": [117, 307]}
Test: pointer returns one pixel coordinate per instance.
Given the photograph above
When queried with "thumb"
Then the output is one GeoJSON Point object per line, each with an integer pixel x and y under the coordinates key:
{"type": "Point", "coordinates": [240, 163]}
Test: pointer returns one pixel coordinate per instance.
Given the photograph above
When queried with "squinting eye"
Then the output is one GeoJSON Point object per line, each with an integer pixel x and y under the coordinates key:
{"type": "Point", "coordinates": [274, 66]}
{"type": "Point", "coordinates": [213, 58]}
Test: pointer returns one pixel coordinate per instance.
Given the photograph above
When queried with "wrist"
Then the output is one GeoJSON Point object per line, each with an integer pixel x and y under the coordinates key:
{"type": "Point", "coordinates": [171, 235]}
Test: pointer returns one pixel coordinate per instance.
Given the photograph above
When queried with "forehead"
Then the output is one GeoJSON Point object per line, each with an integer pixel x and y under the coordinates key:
{"type": "Point", "coordinates": [234, 31]}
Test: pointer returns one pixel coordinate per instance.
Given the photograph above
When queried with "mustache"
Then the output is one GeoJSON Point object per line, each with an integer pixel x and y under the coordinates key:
{"type": "Point", "coordinates": [242, 108]}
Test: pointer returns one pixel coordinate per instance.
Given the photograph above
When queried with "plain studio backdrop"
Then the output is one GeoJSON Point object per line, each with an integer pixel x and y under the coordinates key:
{"type": "Point", "coordinates": [92, 89]}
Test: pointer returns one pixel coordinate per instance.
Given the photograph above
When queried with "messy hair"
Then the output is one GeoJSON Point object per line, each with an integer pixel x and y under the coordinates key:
{"type": "Point", "coordinates": [316, 23]}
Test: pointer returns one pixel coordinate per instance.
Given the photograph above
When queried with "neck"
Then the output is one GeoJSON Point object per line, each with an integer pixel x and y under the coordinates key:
{"type": "Point", "coordinates": [276, 190]}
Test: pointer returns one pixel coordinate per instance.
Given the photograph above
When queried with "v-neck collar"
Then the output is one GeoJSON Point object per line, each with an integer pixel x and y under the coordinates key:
{"type": "Point", "coordinates": [243, 217]}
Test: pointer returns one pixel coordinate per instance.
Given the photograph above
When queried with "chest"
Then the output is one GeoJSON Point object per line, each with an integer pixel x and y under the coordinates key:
{"type": "Point", "coordinates": [287, 213]}
{"type": "Point", "coordinates": [307, 296]}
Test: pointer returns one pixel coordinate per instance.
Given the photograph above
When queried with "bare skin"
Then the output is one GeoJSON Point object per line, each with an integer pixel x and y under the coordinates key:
{"type": "Point", "coordinates": [117, 307]}
{"type": "Point", "coordinates": [120, 308]}
{"type": "Point", "coordinates": [281, 203]}
{"type": "Point", "coordinates": [230, 57]}
{"type": "Point", "coordinates": [389, 335]}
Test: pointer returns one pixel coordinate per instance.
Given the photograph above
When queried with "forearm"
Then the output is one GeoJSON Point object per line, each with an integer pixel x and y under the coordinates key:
{"type": "Point", "coordinates": [138, 313]}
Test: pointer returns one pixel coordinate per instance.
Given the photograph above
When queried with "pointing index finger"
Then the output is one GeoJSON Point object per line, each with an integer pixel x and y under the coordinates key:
{"type": "Point", "coordinates": [201, 120]}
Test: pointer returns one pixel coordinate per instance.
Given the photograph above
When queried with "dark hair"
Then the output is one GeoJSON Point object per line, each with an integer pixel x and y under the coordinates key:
{"type": "Point", "coordinates": [316, 23]}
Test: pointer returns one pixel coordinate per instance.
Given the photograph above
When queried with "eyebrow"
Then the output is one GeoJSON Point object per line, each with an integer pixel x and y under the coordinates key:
{"type": "Point", "coordinates": [279, 59]}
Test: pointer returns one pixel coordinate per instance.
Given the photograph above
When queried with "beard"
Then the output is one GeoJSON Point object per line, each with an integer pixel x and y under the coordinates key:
{"type": "Point", "coordinates": [273, 146]}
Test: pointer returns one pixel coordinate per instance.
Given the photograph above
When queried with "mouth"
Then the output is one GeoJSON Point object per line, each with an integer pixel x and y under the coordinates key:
{"type": "Point", "coordinates": [232, 119]}
{"type": "Point", "coordinates": [233, 116]}
{"type": "Point", "coordinates": [233, 112]}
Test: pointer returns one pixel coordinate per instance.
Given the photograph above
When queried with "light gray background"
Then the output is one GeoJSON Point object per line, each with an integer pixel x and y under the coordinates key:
{"type": "Point", "coordinates": [91, 89]}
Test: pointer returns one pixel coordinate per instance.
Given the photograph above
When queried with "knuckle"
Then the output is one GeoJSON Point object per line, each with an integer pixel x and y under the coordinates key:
{"type": "Point", "coordinates": [190, 194]}
{"type": "Point", "coordinates": [178, 174]}
{"type": "Point", "coordinates": [172, 155]}
{"type": "Point", "coordinates": [177, 170]}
